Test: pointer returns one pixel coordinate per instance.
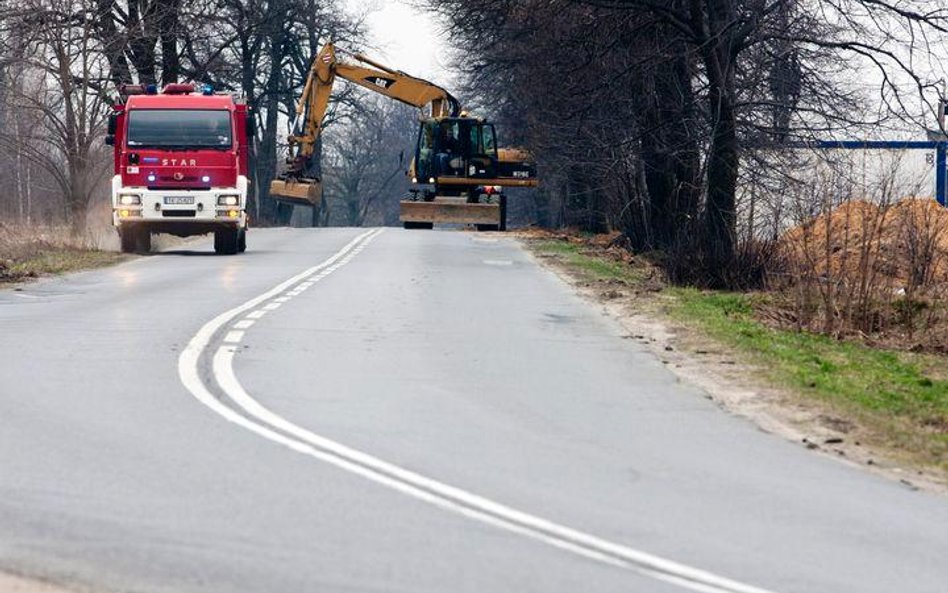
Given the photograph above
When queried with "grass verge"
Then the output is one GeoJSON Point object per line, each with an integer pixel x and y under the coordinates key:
{"type": "Point", "coordinates": [898, 399]}
{"type": "Point", "coordinates": [30, 253]}
{"type": "Point", "coordinates": [598, 268]}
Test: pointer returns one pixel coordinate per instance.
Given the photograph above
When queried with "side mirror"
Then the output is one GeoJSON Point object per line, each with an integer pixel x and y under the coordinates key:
{"type": "Point", "coordinates": [113, 124]}
{"type": "Point", "coordinates": [110, 140]}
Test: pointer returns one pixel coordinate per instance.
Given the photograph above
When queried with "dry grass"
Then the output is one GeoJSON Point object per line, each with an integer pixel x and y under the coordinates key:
{"type": "Point", "coordinates": [30, 252]}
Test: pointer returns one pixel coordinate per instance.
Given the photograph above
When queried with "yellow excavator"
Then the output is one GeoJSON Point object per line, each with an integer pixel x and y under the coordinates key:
{"type": "Point", "coordinates": [458, 172]}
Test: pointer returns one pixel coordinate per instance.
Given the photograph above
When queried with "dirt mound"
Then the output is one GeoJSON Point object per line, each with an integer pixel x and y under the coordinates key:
{"type": "Point", "coordinates": [906, 242]}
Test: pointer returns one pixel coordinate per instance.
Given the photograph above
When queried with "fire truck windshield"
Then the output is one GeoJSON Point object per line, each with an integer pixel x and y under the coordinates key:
{"type": "Point", "coordinates": [179, 128]}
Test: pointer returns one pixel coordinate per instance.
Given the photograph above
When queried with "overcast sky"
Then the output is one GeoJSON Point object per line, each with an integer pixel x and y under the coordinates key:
{"type": "Point", "coordinates": [407, 38]}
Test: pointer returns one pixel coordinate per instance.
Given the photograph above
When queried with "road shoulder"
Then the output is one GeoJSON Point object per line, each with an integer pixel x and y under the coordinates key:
{"type": "Point", "coordinates": [730, 378]}
{"type": "Point", "coordinates": [10, 583]}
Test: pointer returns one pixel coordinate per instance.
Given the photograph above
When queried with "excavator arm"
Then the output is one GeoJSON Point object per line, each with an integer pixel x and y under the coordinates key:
{"type": "Point", "coordinates": [314, 101]}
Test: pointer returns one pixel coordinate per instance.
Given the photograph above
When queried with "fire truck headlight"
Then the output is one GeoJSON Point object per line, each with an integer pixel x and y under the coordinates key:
{"type": "Point", "coordinates": [228, 200]}
{"type": "Point", "coordinates": [129, 199]}
{"type": "Point", "coordinates": [206, 179]}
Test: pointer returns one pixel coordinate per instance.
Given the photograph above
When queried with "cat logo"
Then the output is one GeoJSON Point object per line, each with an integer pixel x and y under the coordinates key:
{"type": "Point", "coordinates": [380, 82]}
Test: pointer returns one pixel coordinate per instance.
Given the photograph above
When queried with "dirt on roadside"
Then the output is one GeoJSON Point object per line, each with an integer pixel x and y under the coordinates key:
{"type": "Point", "coordinates": [889, 239]}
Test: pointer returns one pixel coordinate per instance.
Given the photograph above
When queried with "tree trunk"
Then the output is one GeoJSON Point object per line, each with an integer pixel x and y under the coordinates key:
{"type": "Point", "coordinates": [168, 30]}
{"type": "Point", "coordinates": [724, 152]}
{"type": "Point", "coordinates": [669, 146]}
{"type": "Point", "coordinates": [18, 170]}
{"type": "Point", "coordinates": [141, 42]}
{"type": "Point", "coordinates": [113, 42]}
{"type": "Point", "coordinates": [267, 151]}
{"type": "Point", "coordinates": [723, 161]}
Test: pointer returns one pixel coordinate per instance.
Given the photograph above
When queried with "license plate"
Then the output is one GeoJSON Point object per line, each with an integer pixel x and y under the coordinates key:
{"type": "Point", "coordinates": [179, 199]}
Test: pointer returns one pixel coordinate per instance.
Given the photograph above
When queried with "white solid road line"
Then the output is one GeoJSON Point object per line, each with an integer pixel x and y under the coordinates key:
{"type": "Point", "coordinates": [266, 424]}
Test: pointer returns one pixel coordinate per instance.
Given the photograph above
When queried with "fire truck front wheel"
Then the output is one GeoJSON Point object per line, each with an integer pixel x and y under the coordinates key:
{"type": "Point", "coordinates": [135, 239]}
{"type": "Point", "coordinates": [242, 240]}
{"type": "Point", "coordinates": [127, 239]}
{"type": "Point", "coordinates": [227, 241]}
{"type": "Point", "coordinates": [143, 240]}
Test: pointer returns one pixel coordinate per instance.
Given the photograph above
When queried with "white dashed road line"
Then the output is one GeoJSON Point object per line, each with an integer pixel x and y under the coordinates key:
{"type": "Point", "coordinates": [233, 337]}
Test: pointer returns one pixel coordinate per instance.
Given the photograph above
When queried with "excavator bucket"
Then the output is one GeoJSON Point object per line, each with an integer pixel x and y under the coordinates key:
{"type": "Point", "coordinates": [307, 192]}
{"type": "Point", "coordinates": [443, 210]}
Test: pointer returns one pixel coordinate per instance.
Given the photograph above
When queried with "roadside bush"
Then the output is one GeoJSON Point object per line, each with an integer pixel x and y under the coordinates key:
{"type": "Point", "coordinates": [754, 260]}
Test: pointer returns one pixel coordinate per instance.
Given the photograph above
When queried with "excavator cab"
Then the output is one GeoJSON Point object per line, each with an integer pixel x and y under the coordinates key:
{"type": "Point", "coordinates": [455, 148]}
{"type": "Point", "coordinates": [453, 176]}
{"type": "Point", "coordinates": [458, 175]}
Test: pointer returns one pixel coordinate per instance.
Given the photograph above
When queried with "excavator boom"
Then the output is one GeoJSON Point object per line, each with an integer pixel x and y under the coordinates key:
{"type": "Point", "coordinates": [401, 87]}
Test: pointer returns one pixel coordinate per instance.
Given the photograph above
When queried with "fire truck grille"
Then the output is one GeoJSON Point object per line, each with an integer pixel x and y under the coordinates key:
{"type": "Point", "coordinates": [178, 213]}
{"type": "Point", "coordinates": [185, 179]}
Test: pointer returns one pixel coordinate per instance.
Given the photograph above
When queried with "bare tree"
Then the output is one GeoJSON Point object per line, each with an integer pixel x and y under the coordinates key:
{"type": "Point", "coordinates": [263, 49]}
{"type": "Point", "coordinates": [366, 162]}
{"type": "Point", "coordinates": [63, 72]}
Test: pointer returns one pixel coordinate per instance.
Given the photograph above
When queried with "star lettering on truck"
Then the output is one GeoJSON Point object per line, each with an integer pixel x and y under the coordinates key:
{"type": "Point", "coordinates": [181, 162]}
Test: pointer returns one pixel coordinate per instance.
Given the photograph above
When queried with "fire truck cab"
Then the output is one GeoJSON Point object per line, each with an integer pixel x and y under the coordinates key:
{"type": "Point", "coordinates": [181, 166]}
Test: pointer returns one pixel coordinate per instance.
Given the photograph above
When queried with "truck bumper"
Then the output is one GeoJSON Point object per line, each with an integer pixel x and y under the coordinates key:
{"type": "Point", "coordinates": [179, 212]}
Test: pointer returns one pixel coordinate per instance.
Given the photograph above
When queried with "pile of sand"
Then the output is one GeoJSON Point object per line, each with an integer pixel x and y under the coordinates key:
{"type": "Point", "coordinates": [859, 239]}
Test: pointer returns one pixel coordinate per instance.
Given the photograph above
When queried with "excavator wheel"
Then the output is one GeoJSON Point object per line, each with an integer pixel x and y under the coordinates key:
{"type": "Point", "coordinates": [503, 218]}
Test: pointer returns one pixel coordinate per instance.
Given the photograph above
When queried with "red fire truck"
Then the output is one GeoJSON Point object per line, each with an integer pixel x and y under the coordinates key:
{"type": "Point", "coordinates": [182, 162]}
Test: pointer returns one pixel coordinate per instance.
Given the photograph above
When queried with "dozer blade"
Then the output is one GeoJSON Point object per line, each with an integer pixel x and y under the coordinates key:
{"type": "Point", "coordinates": [450, 211]}
{"type": "Point", "coordinates": [307, 192]}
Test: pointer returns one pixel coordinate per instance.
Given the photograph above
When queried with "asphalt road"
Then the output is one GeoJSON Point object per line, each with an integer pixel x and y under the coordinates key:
{"type": "Point", "coordinates": [336, 411]}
